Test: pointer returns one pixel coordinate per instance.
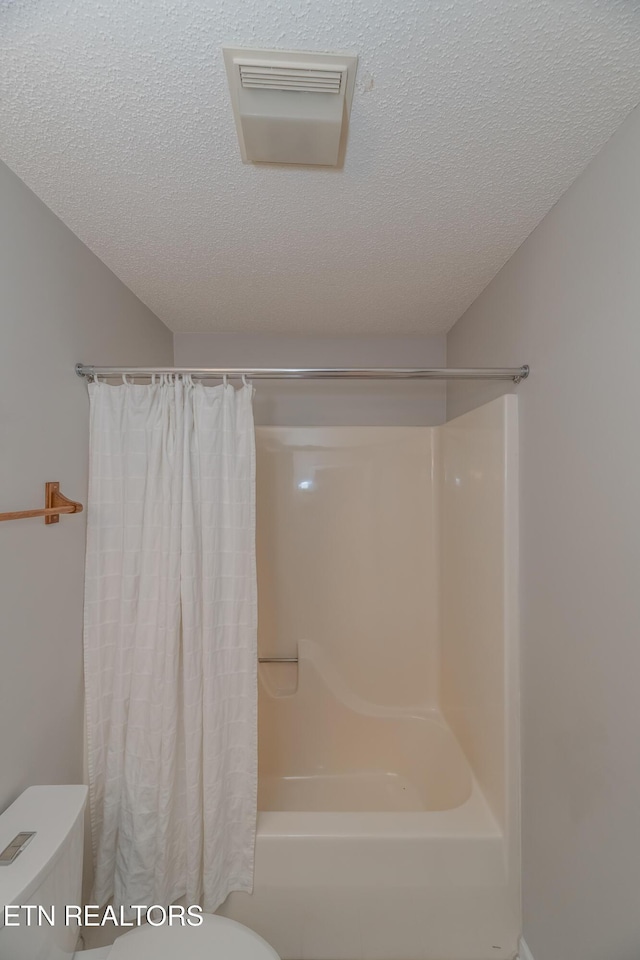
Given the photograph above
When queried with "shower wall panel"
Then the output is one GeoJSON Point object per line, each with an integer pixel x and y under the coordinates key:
{"type": "Point", "coordinates": [347, 554]}
{"type": "Point", "coordinates": [479, 687]}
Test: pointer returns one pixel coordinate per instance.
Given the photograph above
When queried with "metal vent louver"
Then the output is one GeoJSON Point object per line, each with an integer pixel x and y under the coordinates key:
{"type": "Point", "coordinates": [301, 77]}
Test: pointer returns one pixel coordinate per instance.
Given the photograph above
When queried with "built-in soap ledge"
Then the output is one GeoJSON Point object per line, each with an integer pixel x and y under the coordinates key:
{"type": "Point", "coordinates": [279, 675]}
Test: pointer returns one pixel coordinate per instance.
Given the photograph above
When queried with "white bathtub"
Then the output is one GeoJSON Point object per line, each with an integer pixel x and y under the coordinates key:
{"type": "Point", "coordinates": [374, 840]}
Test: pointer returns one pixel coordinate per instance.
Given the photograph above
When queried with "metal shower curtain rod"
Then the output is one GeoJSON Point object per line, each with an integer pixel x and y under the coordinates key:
{"type": "Point", "coordinates": [317, 373]}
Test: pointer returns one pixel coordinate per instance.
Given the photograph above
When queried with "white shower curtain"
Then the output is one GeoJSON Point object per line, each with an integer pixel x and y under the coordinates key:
{"type": "Point", "coordinates": [170, 642]}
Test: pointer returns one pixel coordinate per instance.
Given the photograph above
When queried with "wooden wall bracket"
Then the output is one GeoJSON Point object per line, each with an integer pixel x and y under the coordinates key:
{"type": "Point", "coordinates": [55, 503]}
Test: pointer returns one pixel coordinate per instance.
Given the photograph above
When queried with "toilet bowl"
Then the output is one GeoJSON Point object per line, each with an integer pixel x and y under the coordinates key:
{"type": "Point", "coordinates": [216, 938]}
{"type": "Point", "coordinates": [46, 873]}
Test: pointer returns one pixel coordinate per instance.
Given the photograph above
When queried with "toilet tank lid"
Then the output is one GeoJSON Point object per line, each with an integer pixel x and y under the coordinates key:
{"type": "Point", "coordinates": [214, 937]}
{"type": "Point", "coordinates": [49, 811]}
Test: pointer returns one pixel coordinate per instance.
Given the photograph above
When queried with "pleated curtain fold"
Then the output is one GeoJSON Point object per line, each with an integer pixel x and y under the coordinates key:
{"type": "Point", "coordinates": [170, 642]}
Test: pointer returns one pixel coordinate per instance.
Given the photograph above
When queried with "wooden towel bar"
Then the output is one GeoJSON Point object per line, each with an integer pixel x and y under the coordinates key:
{"type": "Point", "coordinates": [55, 503]}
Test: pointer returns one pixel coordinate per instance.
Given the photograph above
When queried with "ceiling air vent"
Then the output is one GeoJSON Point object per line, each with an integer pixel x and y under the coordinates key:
{"type": "Point", "coordinates": [291, 107]}
{"type": "Point", "coordinates": [257, 76]}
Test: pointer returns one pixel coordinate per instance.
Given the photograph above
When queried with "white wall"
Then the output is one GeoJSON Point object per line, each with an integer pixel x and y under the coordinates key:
{"type": "Point", "coordinates": [568, 303]}
{"type": "Point", "coordinates": [331, 403]}
{"type": "Point", "coordinates": [60, 304]}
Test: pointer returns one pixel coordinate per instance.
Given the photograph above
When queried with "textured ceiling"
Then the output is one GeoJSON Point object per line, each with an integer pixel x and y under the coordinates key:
{"type": "Point", "coordinates": [470, 119]}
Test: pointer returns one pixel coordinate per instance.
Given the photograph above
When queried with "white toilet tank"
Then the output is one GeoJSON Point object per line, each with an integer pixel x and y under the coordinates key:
{"type": "Point", "coordinates": [46, 874]}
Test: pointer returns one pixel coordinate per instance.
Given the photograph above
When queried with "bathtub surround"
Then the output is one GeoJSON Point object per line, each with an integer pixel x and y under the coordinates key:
{"type": "Point", "coordinates": [373, 830]}
{"type": "Point", "coordinates": [568, 301]}
{"type": "Point", "coordinates": [170, 642]}
{"type": "Point", "coordinates": [479, 654]}
{"type": "Point", "coordinates": [358, 755]}
{"type": "Point", "coordinates": [59, 302]}
{"type": "Point", "coordinates": [329, 403]}
{"type": "Point", "coordinates": [347, 543]}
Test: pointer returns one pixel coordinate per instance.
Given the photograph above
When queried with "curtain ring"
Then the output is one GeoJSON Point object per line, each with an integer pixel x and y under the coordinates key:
{"type": "Point", "coordinates": [225, 381]}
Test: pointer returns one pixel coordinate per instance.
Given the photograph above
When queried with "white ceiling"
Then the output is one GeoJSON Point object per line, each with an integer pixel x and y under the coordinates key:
{"type": "Point", "coordinates": [470, 119]}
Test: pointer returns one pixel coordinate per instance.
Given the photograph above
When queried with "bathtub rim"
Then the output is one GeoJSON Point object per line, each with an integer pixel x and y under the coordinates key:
{"type": "Point", "coordinates": [473, 818]}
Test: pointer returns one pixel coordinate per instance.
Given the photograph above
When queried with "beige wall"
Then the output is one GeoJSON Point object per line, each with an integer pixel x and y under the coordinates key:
{"type": "Point", "coordinates": [332, 403]}
{"type": "Point", "coordinates": [568, 303]}
{"type": "Point", "coordinates": [60, 304]}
